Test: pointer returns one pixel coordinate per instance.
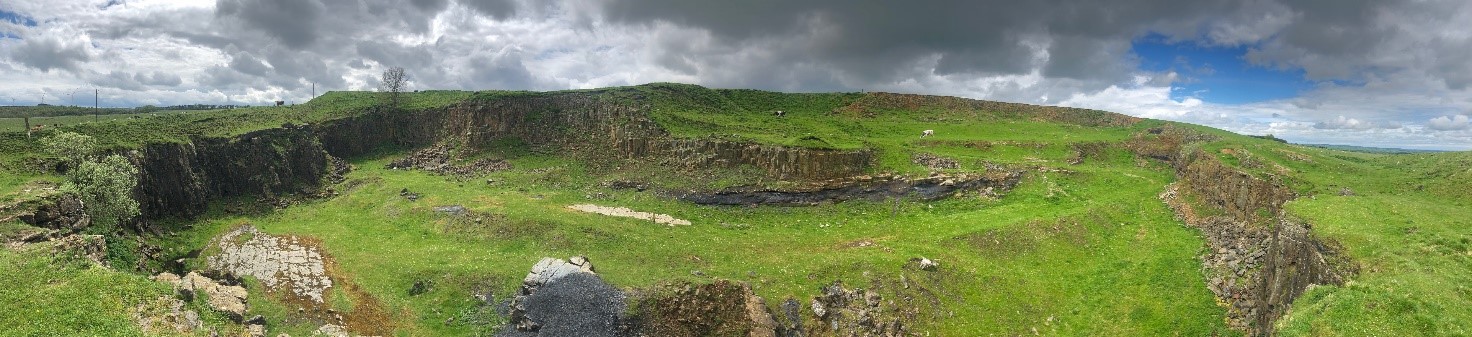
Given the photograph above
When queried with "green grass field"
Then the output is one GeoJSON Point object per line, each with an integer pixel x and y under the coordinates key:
{"type": "Point", "coordinates": [1084, 249]}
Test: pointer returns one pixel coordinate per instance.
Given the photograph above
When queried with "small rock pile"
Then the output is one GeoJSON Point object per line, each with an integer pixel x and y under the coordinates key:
{"type": "Point", "coordinates": [437, 159]}
{"type": "Point", "coordinates": [856, 312]}
{"type": "Point", "coordinates": [934, 162]}
{"type": "Point", "coordinates": [222, 297]}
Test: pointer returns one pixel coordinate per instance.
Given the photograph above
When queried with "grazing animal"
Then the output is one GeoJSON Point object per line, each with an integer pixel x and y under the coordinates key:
{"type": "Point", "coordinates": [927, 133]}
{"type": "Point", "coordinates": [779, 113]}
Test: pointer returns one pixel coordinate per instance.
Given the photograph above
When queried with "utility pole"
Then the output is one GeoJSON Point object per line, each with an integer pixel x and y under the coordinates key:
{"type": "Point", "coordinates": [95, 100]}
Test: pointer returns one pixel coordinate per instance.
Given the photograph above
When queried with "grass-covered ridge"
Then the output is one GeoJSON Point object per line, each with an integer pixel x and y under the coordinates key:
{"type": "Point", "coordinates": [1083, 246]}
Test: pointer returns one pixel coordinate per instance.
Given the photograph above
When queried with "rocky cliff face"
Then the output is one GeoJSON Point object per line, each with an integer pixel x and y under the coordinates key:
{"type": "Point", "coordinates": [1259, 259]}
{"type": "Point", "coordinates": [181, 179]}
{"type": "Point", "coordinates": [596, 126]}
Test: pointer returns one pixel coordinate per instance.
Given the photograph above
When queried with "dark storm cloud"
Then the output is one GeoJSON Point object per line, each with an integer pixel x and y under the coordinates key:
{"type": "Point", "coordinates": [293, 22]}
{"type": "Point", "coordinates": [1082, 40]}
{"type": "Point", "coordinates": [498, 9]}
{"type": "Point", "coordinates": [46, 54]}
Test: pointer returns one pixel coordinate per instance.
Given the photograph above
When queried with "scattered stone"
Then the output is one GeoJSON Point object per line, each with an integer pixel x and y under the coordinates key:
{"type": "Point", "coordinates": [437, 159]}
{"type": "Point", "coordinates": [409, 195]}
{"type": "Point", "coordinates": [257, 320]}
{"type": "Point", "coordinates": [629, 213]}
{"type": "Point", "coordinates": [229, 300]}
{"type": "Point", "coordinates": [858, 312]}
{"type": "Point", "coordinates": [90, 247]}
{"type": "Point", "coordinates": [934, 162]}
{"type": "Point", "coordinates": [1346, 192]}
{"type": "Point", "coordinates": [792, 311]}
{"type": "Point", "coordinates": [174, 319]}
{"type": "Point", "coordinates": [819, 309]}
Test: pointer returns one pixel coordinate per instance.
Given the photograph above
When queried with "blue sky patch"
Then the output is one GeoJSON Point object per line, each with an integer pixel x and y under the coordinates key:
{"type": "Point", "coordinates": [17, 18]}
{"type": "Point", "coordinates": [1217, 74]}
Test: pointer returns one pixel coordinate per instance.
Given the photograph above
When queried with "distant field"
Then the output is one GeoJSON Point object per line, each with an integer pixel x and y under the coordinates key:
{"type": "Point", "coordinates": [18, 124]}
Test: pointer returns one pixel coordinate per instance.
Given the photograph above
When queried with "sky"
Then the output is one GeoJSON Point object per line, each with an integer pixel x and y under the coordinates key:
{"type": "Point", "coordinates": [1385, 73]}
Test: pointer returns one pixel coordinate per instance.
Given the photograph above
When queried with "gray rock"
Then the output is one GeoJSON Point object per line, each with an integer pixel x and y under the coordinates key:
{"type": "Point", "coordinates": [455, 210]}
{"type": "Point", "coordinates": [229, 300]}
{"type": "Point", "coordinates": [927, 264]}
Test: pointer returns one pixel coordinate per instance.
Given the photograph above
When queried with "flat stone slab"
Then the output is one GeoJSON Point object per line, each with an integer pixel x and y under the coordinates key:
{"type": "Point", "coordinates": [629, 213]}
{"type": "Point", "coordinates": [284, 263]}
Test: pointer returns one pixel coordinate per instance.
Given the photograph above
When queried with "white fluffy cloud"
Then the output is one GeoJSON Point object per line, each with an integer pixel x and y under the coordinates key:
{"type": "Point", "coordinates": [1448, 123]}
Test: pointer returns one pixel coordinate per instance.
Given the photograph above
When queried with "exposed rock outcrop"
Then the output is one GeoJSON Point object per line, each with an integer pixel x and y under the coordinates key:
{"type": "Point", "coordinates": [865, 188]}
{"type": "Point", "coordinates": [663, 219]}
{"type": "Point", "coordinates": [286, 263]}
{"type": "Point", "coordinates": [1258, 259]}
{"type": "Point", "coordinates": [181, 179]}
{"type": "Point", "coordinates": [64, 213]}
{"type": "Point", "coordinates": [227, 299]}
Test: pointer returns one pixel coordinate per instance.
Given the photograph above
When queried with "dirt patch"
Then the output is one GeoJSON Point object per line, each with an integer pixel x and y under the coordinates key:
{"type": "Point", "coordinates": [722, 308]}
{"type": "Point", "coordinates": [629, 213]}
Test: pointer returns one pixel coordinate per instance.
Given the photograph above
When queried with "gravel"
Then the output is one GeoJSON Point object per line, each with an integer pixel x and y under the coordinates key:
{"type": "Point", "coordinates": [577, 304]}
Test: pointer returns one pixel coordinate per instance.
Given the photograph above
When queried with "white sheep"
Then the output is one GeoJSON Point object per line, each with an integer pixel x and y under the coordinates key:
{"type": "Point", "coordinates": [927, 133]}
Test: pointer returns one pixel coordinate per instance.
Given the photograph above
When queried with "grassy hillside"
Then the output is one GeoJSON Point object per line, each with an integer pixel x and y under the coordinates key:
{"type": "Point", "coordinates": [1083, 246]}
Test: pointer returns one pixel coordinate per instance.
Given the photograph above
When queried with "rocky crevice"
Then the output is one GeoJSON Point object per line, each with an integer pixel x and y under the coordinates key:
{"type": "Point", "coordinates": [1258, 259]}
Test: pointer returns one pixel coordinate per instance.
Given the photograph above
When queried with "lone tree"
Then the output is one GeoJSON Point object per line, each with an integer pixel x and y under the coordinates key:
{"type": "Point", "coordinates": [393, 85]}
{"type": "Point", "coordinates": [104, 186]}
